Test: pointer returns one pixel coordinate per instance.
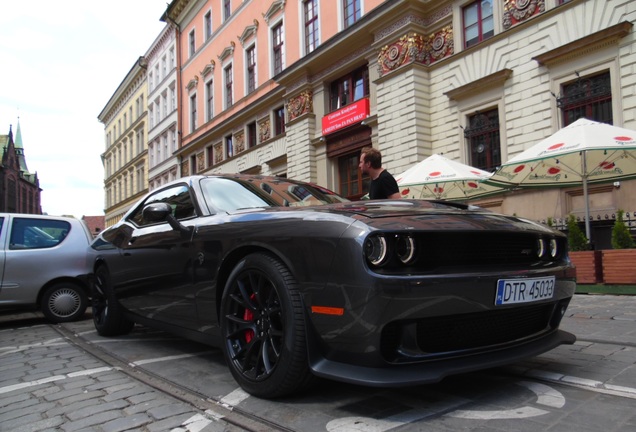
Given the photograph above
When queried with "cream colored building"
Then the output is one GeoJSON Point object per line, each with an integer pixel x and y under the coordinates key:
{"type": "Point", "coordinates": [297, 88]}
{"type": "Point", "coordinates": [125, 157]}
{"type": "Point", "coordinates": [162, 108]}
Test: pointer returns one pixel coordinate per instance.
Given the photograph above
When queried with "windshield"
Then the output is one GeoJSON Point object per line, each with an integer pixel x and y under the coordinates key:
{"type": "Point", "coordinates": [231, 194]}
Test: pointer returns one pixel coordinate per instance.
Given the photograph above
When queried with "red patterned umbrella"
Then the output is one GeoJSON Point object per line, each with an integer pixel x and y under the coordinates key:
{"type": "Point", "coordinates": [585, 152]}
{"type": "Point", "coordinates": [437, 177]}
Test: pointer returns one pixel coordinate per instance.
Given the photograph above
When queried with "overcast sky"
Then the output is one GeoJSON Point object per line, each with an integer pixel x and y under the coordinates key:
{"type": "Point", "coordinates": [61, 62]}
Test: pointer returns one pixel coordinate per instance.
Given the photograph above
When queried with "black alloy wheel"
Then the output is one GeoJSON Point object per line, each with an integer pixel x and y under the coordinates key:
{"type": "Point", "coordinates": [263, 328]}
{"type": "Point", "coordinates": [108, 315]}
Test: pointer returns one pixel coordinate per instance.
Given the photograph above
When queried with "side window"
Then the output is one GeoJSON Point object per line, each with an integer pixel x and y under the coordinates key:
{"type": "Point", "coordinates": [177, 197]}
{"type": "Point", "coordinates": [29, 233]}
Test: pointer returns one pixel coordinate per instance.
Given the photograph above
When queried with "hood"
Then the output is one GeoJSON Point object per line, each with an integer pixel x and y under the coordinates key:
{"type": "Point", "coordinates": [432, 216]}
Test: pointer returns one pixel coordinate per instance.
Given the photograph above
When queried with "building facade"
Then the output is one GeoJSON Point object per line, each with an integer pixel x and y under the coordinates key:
{"type": "Point", "coordinates": [125, 158]}
{"type": "Point", "coordinates": [19, 189]}
{"type": "Point", "coordinates": [298, 88]}
{"type": "Point", "coordinates": [163, 92]}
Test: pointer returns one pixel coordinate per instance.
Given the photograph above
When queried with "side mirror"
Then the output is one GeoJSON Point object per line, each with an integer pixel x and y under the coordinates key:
{"type": "Point", "coordinates": [162, 212]}
{"type": "Point", "coordinates": [157, 212]}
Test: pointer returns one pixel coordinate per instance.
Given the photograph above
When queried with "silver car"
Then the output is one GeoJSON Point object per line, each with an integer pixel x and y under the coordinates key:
{"type": "Point", "coordinates": [43, 265]}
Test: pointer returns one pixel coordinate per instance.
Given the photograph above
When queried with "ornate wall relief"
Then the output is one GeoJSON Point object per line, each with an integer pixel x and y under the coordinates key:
{"type": "Point", "coordinates": [516, 11]}
{"type": "Point", "coordinates": [299, 105]}
{"type": "Point", "coordinates": [218, 153]}
{"type": "Point", "coordinates": [200, 163]}
{"type": "Point", "coordinates": [415, 48]}
{"type": "Point", "coordinates": [440, 45]}
{"type": "Point", "coordinates": [185, 168]}
{"type": "Point", "coordinates": [239, 142]}
{"type": "Point", "coordinates": [264, 130]}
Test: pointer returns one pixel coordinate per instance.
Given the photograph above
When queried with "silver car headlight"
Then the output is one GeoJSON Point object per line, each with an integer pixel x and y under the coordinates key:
{"type": "Point", "coordinates": [541, 248]}
{"type": "Point", "coordinates": [405, 248]}
{"type": "Point", "coordinates": [554, 248]}
{"type": "Point", "coordinates": [375, 250]}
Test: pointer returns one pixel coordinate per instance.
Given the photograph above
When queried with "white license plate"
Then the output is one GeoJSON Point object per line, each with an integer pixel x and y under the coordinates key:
{"type": "Point", "coordinates": [511, 291]}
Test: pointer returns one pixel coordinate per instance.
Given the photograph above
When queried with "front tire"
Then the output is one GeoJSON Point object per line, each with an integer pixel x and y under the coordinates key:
{"type": "Point", "coordinates": [108, 315]}
{"type": "Point", "coordinates": [64, 302]}
{"type": "Point", "coordinates": [263, 328]}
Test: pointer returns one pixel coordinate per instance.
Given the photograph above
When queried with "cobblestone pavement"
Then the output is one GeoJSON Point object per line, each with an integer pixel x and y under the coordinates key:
{"type": "Point", "coordinates": [48, 384]}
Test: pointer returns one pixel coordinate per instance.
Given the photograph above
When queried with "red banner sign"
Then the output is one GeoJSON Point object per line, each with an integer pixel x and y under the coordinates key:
{"type": "Point", "coordinates": [351, 114]}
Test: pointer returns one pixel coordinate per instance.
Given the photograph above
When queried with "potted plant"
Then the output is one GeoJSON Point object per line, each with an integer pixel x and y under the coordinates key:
{"type": "Point", "coordinates": [619, 264]}
{"type": "Point", "coordinates": [586, 261]}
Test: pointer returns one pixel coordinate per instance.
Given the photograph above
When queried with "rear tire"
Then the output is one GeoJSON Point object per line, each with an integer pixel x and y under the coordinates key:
{"type": "Point", "coordinates": [108, 315]}
{"type": "Point", "coordinates": [263, 328]}
{"type": "Point", "coordinates": [64, 302]}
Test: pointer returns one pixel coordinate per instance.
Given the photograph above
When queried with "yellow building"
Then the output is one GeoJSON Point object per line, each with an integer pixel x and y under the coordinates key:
{"type": "Point", "coordinates": [125, 156]}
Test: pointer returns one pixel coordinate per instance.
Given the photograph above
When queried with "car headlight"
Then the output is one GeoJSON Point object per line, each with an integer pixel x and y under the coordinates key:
{"type": "Point", "coordinates": [405, 248]}
{"type": "Point", "coordinates": [375, 249]}
{"type": "Point", "coordinates": [554, 248]}
{"type": "Point", "coordinates": [541, 248]}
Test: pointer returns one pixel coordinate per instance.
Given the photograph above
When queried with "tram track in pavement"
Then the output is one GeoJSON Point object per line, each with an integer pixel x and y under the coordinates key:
{"type": "Point", "coordinates": [217, 409]}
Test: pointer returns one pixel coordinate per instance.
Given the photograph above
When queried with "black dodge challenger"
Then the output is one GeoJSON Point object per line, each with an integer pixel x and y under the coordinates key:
{"type": "Point", "coordinates": [294, 282]}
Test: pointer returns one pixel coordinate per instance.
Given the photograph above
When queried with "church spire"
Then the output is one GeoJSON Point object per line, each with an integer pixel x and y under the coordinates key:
{"type": "Point", "coordinates": [19, 149]}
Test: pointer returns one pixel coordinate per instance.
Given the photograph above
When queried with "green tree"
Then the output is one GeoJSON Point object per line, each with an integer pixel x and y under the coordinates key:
{"type": "Point", "coordinates": [576, 239]}
{"type": "Point", "coordinates": [621, 237]}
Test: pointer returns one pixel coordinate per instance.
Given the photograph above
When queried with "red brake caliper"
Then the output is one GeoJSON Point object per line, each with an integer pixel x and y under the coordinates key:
{"type": "Point", "coordinates": [248, 315]}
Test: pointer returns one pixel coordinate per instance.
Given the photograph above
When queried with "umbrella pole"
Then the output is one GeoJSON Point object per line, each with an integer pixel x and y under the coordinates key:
{"type": "Point", "coordinates": [586, 198]}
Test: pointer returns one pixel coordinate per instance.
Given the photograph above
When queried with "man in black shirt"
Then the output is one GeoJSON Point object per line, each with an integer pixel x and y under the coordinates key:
{"type": "Point", "coordinates": [383, 185]}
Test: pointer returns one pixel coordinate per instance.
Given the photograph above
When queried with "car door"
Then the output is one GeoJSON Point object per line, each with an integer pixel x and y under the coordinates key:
{"type": "Point", "coordinates": [154, 277]}
{"type": "Point", "coordinates": [31, 257]}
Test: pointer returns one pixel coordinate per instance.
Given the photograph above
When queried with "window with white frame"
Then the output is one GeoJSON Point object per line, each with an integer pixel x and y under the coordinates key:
{"type": "Point", "coordinates": [191, 43]}
{"type": "Point", "coordinates": [227, 9]}
{"type": "Point", "coordinates": [277, 48]}
{"type": "Point", "coordinates": [228, 86]}
{"type": "Point", "coordinates": [209, 100]}
{"type": "Point", "coordinates": [207, 25]}
{"type": "Point", "coordinates": [310, 9]}
{"type": "Point", "coordinates": [479, 23]}
{"type": "Point", "coordinates": [352, 11]}
{"type": "Point", "coordinates": [193, 112]}
{"type": "Point", "coordinates": [229, 147]}
{"type": "Point", "coordinates": [482, 135]}
{"type": "Point", "coordinates": [250, 65]}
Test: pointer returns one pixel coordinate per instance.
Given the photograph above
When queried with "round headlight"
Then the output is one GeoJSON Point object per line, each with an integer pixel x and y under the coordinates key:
{"type": "Point", "coordinates": [405, 248]}
{"type": "Point", "coordinates": [554, 248]}
{"type": "Point", "coordinates": [375, 250]}
{"type": "Point", "coordinates": [541, 248]}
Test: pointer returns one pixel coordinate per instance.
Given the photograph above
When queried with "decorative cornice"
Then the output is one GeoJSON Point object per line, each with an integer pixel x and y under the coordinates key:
{"type": "Point", "coordinates": [586, 44]}
{"type": "Point", "coordinates": [492, 80]}
{"type": "Point", "coordinates": [248, 32]}
{"type": "Point", "coordinates": [274, 8]}
{"type": "Point", "coordinates": [192, 83]}
{"type": "Point", "coordinates": [227, 51]}
{"type": "Point", "coordinates": [208, 69]}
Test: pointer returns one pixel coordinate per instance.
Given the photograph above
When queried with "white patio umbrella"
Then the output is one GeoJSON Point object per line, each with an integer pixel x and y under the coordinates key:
{"type": "Point", "coordinates": [437, 177]}
{"type": "Point", "coordinates": [585, 152]}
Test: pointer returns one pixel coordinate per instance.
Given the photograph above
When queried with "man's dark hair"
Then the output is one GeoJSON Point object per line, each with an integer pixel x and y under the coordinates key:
{"type": "Point", "coordinates": [373, 156]}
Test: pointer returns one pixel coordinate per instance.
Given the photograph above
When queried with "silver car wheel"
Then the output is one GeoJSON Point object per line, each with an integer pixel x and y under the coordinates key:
{"type": "Point", "coordinates": [64, 302]}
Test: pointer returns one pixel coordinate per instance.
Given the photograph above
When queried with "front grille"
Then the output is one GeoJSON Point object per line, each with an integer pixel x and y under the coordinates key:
{"type": "Point", "coordinates": [477, 249]}
{"type": "Point", "coordinates": [437, 336]}
{"type": "Point", "coordinates": [461, 332]}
